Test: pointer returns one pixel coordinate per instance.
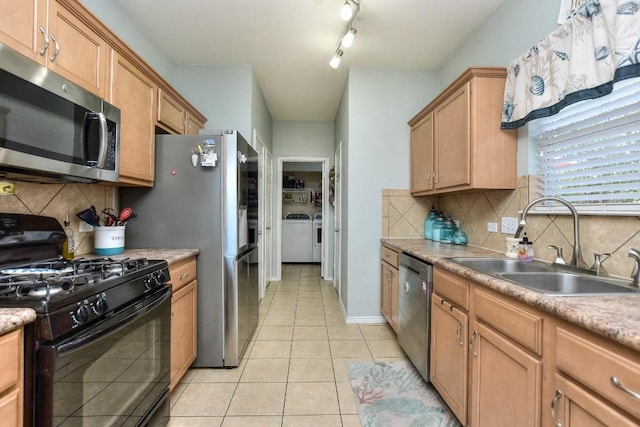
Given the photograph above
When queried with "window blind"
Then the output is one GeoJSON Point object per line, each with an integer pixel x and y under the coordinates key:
{"type": "Point", "coordinates": [589, 153]}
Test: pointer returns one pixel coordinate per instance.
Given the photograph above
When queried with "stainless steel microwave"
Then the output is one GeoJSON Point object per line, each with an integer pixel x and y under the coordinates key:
{"type": "Point", "coordinates": [52, 130]}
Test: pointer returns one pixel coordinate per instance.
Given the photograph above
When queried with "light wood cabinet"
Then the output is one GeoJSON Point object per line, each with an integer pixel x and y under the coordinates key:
{"type": "Point", "coordinates": [11, 378]}
{"type": "Point", "coordinates": [184, 312]}
{"type": "Point", "coordinates": [456, 140]}
{"type": "Point", "coordinates": [575, 406]}
{"type": "Point", "coordinates": [449, 354]}
{"type": "Point", "coordinates": [134, 93]}
{"type": "Point", "coordinates": [175, 117]}
{"type": "Point", "coordinates": [595, 380]}
{"type": "Point", "coordinates": [422, 155]}
{"type": "Point", "coordinates": [53, 34]}
{"type": "Point", "coordinates": [506, 381]}
{"type": "Point", "coordinates": [389, 276]}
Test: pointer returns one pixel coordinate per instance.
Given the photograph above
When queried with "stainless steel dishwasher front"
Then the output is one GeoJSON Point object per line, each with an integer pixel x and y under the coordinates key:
{"type": "Point", "coordinates": [414, 300]}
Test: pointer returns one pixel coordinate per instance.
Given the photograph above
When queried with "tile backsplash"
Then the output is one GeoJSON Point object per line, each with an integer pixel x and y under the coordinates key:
{"type": "Point", "coordinates": [55, 200]}
{"type": "Point", "coordinates": [403, 216]}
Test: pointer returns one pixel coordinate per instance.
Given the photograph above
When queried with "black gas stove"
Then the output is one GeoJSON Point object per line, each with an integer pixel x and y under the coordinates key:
{"type": "Point", "coordinates": [92, 313]}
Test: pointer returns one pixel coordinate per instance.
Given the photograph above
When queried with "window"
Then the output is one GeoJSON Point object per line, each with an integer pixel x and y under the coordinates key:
{"type": "Point", "coordinates": [589, 153]}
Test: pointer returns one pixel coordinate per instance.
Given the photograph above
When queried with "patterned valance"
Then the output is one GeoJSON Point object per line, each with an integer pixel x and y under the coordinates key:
{"type": "Point", "coordinates": [597, 46]}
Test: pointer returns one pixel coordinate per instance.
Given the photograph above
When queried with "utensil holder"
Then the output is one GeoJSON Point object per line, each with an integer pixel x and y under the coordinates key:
{"type": "Point", "coordinates": [108, 240]}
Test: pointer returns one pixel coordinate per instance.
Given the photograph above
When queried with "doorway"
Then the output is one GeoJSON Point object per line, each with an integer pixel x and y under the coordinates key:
{"type": "Point", "coordinates": [302, 212]}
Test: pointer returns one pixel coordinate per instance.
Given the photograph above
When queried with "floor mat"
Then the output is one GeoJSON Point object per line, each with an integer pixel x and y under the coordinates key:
{"type": "Point", "coordinates": [394, 394]}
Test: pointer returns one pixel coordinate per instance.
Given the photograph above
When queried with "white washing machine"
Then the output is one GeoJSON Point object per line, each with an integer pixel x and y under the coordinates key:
{"type": "Point", "coordinates": [297, 231]}
{"type": "Point", "coordinates": [316, 246]}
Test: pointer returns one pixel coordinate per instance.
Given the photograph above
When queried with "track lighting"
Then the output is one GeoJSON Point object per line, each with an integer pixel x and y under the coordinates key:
{"type": "Point", "coordinates": [349, 13]}
{"type": "Point", "coordinates": [335, 61]}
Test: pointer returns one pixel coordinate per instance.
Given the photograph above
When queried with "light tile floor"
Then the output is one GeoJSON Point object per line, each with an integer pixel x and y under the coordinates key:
{"type": "Point", "coordinates": [294, 370]}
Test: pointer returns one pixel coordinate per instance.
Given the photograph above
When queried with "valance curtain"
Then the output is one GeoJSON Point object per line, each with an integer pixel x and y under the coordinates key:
{"type": "Point", "coordinates": [597, 46]}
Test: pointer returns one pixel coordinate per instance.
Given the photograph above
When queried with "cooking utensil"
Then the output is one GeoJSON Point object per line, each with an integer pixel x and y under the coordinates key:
{"type": "Point", "coordinates": [90, 216]}
{"type": "Point", "coordinates": [109, 217]}
{"type": "Point", "coordinates": [125, 214]}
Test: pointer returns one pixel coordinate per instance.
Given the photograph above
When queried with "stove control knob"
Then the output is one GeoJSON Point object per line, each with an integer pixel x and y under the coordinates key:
{"type": "Point", "coordinates": [160, 276]}
{"type": "Point", "coordinates": [101, 306]}
{"type": "Point", "coordinates": [82, 314]}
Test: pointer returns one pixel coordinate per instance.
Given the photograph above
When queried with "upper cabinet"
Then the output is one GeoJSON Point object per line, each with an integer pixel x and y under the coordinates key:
{"type": "Point", "coordinates": [134, 93]}
{"type": "Point", "coordinates": [175, 116]}
{"type": "Point", "coordinates": [59, 37]}
{"type": "Point", "coordinates": [456, 140]}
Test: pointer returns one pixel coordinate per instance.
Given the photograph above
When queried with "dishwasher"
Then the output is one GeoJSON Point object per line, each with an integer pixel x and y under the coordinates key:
{"type": "Point", "coordinates": [414, 302]}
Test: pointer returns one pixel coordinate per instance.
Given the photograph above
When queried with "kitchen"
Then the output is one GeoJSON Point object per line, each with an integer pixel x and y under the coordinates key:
{"type": "Point", "coordinates": [370, 95]}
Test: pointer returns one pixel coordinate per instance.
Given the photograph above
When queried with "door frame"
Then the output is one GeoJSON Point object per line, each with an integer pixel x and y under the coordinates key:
{"type": "Point", "coordinates": [326, 164]}
{"type": "Point", "coordinates": [264, 194]}
{"type": "Point", "coordinates": [337, 221]}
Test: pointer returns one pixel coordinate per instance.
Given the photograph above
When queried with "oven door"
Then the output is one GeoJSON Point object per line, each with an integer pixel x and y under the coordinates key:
{"type": "Point", "coordinates": [113, 373]}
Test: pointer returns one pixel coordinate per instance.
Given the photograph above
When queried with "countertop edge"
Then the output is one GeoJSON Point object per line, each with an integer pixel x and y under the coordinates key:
{"type": "Point", "coordinates": [14, 318]}
{"type": "Point", "coordinates": [602, 315]}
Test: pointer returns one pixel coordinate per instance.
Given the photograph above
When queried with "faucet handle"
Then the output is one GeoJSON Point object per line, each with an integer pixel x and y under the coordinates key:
{"type": "Point", "coordinates": [635, 274]}
{"type": "Point", "coordinates": [597, 263]}
{"type": "Point", "coordinates": [559, 258]}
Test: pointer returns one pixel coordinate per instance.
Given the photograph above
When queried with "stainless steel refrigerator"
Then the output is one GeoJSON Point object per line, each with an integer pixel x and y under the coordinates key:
{"type": "Point", "coordinates": [205, 190]}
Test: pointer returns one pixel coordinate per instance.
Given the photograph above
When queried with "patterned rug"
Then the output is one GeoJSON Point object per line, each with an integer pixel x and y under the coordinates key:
{"type": "Point", "coordinates": [395, 395]}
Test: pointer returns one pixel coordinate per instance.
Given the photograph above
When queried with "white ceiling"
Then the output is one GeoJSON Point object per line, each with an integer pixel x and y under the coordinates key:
{"type": "Point", "coordinates": [289, 42]}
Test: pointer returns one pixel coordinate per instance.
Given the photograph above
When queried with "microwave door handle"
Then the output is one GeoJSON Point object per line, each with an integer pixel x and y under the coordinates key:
{"type": "Point", "coordinates": [102, 154]}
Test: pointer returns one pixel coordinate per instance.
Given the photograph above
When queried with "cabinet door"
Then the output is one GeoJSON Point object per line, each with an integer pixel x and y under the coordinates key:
{"type": "Point", "coordinates": [422, 155]}
{"type": "Point", "coordinates": [171, 113]}
{"type": "Point", "coordinates": [20, 22]}
{"type": "Point", "coordinates": [574, 406]}
{"type": "Point", "coordinates": [135, 94]}
{"type": "Point", "coordinates": [385, 284]}
{"type": "Point", "coordinates": [449, 351]}
{"type": "Point", "coordinates": [506, 382]}
{"type": "Point", "coordinates": [82, 53]}
{"type": "Point", "coordinates": [393, 298]}
{"type": "Point", "coordinates": [193, 125]}
{"type": "Point", "coordinates": [183, 331]}
{"type": "Point", "coordinates": [453, 140]}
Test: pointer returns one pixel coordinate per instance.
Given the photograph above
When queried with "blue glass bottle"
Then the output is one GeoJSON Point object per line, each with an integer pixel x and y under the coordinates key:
{"type": "Point", "coordinates": [428, 224]}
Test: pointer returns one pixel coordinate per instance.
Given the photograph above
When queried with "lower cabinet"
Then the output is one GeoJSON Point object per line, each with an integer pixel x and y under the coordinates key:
{"type": "Point", "coordinates": [596, 382]}
{"type": "Point", "coordinates": [184, 313]}
{"type": "Point", "coordinates": [11, 378]}
{"type": "Point", "coordinates": [389, 276]}
{"type": "Point", "coordinates": [506, 381]}
{"type": "Point", "coordinates": [449, 349]}
{"type": "Point", "coordinates": [495, 373]}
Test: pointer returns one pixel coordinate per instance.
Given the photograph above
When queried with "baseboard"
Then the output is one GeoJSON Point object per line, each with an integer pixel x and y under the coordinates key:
{"type": "Point", "coordinates": [365, 319]}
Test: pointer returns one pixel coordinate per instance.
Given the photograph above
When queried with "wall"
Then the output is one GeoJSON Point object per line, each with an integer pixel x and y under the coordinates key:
{"type": "Point", "coordinates": [381, 101]}
{"type": "Point", "coordinates": [312, 140]}
{"type": "Point", "coordinates": [128, 31]}
{"type": "Point", "coordinates": [55, 200]}
{"type": "Point", "coordinates": [615, 235]}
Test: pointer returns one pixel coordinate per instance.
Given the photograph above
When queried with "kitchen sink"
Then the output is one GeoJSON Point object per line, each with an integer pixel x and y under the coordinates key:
{"type": "Point", "coordinates": [563, 283]}
{"type": "Point", "coordinates": [546, 278]}
{"type": "Point", "coordinates": [501, 265]}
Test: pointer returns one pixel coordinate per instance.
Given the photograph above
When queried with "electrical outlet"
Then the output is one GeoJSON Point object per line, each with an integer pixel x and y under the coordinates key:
{"type": "Point", "coordinates": [509, 225]}
{"type": "Point", "coordinates": [84, 227]}
{"type": "Point", "coordinates": [492, 227]}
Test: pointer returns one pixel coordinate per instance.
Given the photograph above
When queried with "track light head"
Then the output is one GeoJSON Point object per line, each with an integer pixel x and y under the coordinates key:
{"type": "Point", "coordinates": [346, 12]}
{"type": "Point", "coordinates": [347, 39]}
{"type": "Point", "coordinates": [335, 60]}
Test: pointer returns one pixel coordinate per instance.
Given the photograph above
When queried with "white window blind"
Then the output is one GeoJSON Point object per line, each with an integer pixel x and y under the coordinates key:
{"type": "Point", "coordinates": [589, 153]}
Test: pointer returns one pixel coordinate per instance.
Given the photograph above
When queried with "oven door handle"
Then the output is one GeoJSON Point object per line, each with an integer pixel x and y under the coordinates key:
{"type": "Point", "coordinates": [114, 323]}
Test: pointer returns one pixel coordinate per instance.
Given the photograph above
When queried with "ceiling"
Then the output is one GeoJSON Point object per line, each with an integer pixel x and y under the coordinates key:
{"type": "Point", "coordinates": [289, 43]}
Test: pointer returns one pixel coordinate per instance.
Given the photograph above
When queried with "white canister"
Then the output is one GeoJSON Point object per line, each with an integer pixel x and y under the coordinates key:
{"type": "Point", "coordinates": [108, 240]}
{"type": "Point", "coordinates": [512, 247]}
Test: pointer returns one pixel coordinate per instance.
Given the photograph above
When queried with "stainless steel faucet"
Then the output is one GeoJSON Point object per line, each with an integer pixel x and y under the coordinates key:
{"type": "Point", "coordinates": [635, 274]}
{"type": "Point", "coordinates": [576, 257]}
